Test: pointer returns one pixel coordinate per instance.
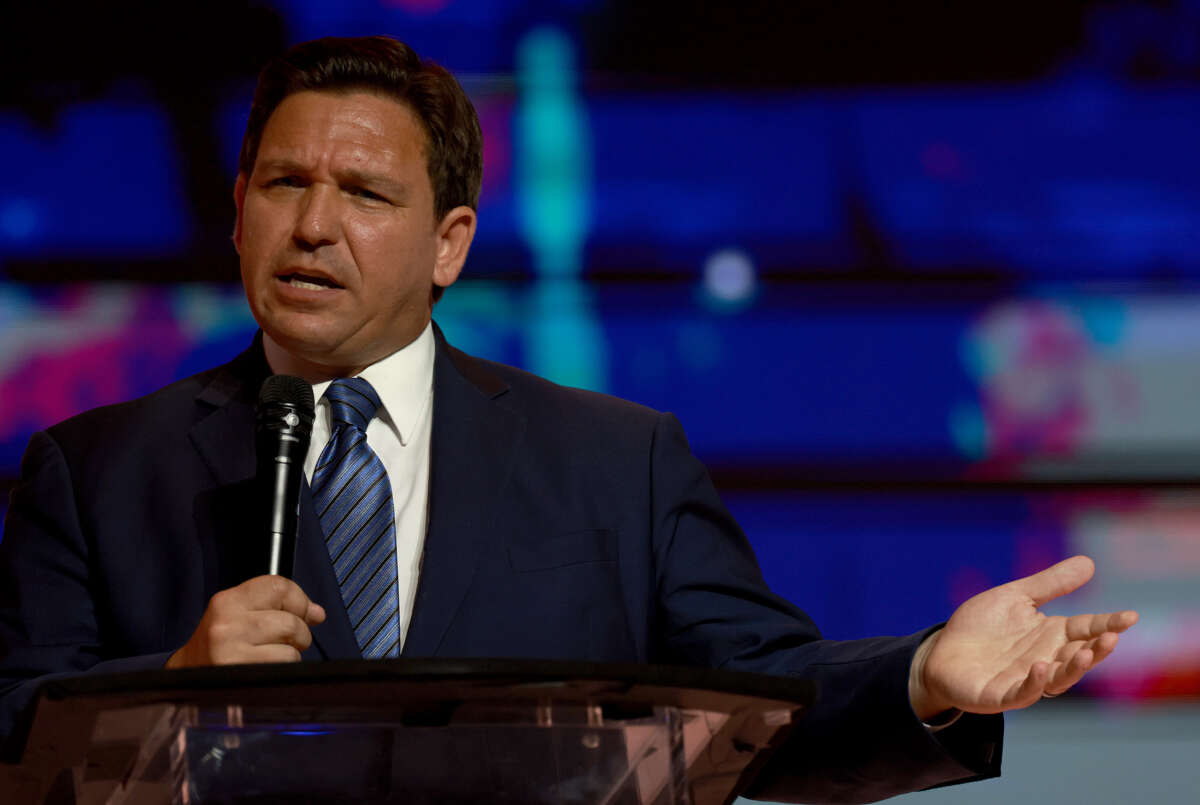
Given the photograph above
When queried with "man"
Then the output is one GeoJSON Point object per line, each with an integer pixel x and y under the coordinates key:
{"type": "Point", "coordinates": [455, 507]}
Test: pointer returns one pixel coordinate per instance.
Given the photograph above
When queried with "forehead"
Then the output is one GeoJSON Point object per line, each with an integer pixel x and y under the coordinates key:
{"type": "Point", "coordinates": [356, 126]}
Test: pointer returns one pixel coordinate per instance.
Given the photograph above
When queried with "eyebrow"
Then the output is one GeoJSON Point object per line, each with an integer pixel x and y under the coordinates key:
{"type": "Point", "coordinates": [398, 190]}
{"type": "Point", "coordinates": [281, 165]}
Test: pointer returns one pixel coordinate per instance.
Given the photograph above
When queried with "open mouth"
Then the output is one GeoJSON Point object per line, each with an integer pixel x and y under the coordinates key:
{"type": "Point", "coordinates": [309, 281]}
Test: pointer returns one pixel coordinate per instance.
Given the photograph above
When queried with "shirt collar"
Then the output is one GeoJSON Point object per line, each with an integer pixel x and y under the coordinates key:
{"type": "Point", "coordinates": [403, 381]}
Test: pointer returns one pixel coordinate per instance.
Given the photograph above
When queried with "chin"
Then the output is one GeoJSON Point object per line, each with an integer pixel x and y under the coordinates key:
{"type": "Point", "coordinates": [302, 334]}
{"type": "Point", "coordinates": [314, 347]}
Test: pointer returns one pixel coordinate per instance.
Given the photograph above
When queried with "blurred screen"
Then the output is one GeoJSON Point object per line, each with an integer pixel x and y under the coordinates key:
{"type": "Point", "coordinates": [926, 303]}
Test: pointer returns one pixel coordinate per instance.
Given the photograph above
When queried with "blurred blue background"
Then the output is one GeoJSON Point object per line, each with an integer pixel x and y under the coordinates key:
{"type": "Point", "coordinates": [922, 283]}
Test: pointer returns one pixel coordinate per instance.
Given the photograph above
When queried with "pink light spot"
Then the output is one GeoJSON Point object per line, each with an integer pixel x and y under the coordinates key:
{"type": "Point", "coordinates": [422, 7]}
{"type": "Point", "coordinates": [131, 358]}
{"type": "Point", "coordinates": [495, 119]}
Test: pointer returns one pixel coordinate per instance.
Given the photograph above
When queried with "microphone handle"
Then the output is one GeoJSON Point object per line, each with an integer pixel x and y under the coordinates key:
{"type": "Point", "coordinates": [284, 515]}
{"type": "Point", "coordinates": [283, 439]}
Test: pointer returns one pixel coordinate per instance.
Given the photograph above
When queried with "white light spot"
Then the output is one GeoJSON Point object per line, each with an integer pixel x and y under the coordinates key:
{"type": "Point", "coordinates": [729, 275]}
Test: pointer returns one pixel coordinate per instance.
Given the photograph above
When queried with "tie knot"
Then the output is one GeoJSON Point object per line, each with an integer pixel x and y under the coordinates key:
{"type": "Point", "coordinates": [353, 401]}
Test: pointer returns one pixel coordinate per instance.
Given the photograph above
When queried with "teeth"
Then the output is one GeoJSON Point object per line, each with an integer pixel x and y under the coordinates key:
{"type": "Point", "coordinates": [299, 283]}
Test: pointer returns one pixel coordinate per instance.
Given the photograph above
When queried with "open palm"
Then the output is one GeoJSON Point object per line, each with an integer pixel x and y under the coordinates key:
{"type": "Point", "coordinates": [999, 652]}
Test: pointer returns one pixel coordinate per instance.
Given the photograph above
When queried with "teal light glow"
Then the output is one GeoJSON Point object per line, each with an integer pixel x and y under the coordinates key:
{"type": "Point", "coordinates": [552, 183]}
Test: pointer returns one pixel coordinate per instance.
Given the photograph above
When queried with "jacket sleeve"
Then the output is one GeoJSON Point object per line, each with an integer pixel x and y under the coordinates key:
{"type": "Point", "coordinates": [861, 741]}
{"type": "Point", "coordinates": [49, 623]}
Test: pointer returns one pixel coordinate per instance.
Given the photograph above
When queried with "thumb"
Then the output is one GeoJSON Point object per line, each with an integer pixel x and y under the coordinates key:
{"type": "Point", "coordinates": [1057, 580]}
{"type": "Point", "coordinates": [315, 614]}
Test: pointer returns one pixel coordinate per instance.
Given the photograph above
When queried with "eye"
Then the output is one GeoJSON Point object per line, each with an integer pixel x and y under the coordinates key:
{"type": "Point", "coordinates": [285, 181]}
{"type": "Point", "coordinates": [363, 192]}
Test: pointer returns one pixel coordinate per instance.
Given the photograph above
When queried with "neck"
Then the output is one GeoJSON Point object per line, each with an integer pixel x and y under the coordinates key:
{"type": "Point", "coordinates": [283, 362]}
{"type": "Point", "coordinates": [319, 368]}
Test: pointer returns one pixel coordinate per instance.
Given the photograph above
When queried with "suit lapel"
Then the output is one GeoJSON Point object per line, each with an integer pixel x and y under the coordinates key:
{"type": "Point", "coordinates": [334, 639]}
{"type": "Point", "coordinates": [225, 440]}
{"type": "Point", "coordinates": [473, 440]}
{"type": "Point", "coordinates": [225, 437]}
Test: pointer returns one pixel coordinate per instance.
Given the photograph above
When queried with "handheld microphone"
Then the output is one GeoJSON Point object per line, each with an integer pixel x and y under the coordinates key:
{"type": "Point", "coordinates": [282, 428]}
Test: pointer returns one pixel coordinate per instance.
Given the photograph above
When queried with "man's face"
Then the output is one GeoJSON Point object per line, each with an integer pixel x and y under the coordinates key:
{"type": "Point", "coordinates": [336, 232]}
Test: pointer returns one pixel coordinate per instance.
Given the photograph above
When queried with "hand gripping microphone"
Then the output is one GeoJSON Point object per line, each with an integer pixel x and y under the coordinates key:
{"type": "Point", "coordinates": [282, 427]}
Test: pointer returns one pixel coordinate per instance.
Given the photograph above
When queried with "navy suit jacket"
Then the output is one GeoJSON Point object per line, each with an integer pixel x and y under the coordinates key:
{"type": "Point", "coordinates": [562, 524]}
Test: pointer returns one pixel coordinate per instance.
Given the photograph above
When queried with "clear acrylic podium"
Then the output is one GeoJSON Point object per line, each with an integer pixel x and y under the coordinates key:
{"type": "Point", "coordinates": [404, 731]}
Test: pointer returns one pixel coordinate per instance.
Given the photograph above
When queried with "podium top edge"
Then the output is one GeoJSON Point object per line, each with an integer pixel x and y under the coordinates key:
{"type": "Point", "coordinates": [522, 675]}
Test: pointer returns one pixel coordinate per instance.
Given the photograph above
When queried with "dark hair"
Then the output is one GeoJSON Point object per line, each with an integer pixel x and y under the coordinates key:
{"type": "Point", "coordinates": [454, 142]}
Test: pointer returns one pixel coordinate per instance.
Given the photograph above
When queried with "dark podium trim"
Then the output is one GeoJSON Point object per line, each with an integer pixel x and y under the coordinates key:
{"type": "Point", "coordinates": [421, 690]}
{"type": "Point", "coordinates": [194, 684]}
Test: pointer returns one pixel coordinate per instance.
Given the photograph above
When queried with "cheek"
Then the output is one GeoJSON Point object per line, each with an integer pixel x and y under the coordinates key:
{"type": "Point", "coordinates": [375, 232]}
{"type": "Point", "coordinates": [390, 252]}
{"type": "Point", "coordinates": [262, 226]}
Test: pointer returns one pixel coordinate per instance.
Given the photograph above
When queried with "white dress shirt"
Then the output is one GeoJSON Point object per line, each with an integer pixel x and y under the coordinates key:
{"type": "Point", "coordinates": [399, 435]}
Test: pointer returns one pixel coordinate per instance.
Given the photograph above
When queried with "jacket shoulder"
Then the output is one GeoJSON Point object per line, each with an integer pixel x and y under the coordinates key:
{"type": "Point", "coordinates": [135, 421]}
{"type": "Point", "coordinates": [540, 398]}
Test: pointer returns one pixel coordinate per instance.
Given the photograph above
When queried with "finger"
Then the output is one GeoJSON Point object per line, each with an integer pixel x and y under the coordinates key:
{"type": "Point", "coordinates": [1070, 672]}
{"type": "Point", "coordinates": [1087, 627]}
{"type": "Point", "coordinates": [275, 592]}
{"type": "Point", "coordinates": [273, 653]}
{"type": "Point", "coordinates": [1103, 646]}
{"type": "Point", "coordinates": [1025, 692]}
{"type": "Point", "coordinates": [1057, 580]}
{"type": "Point", "coordinates": [244, 653]}
{"type": "Point", "coordinates": [274, 627]}
{"type": "Point", "coordinates": [315, 614]}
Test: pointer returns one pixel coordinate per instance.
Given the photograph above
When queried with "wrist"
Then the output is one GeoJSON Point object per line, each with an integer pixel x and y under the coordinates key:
{"type": "Point", "coordinates": [927, 706]}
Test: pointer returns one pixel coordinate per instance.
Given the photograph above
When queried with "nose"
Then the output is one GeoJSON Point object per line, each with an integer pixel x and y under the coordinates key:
{"type": "Point", "coordinates": [318, 220]}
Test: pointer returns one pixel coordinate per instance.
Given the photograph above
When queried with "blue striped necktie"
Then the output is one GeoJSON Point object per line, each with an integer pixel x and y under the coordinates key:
{"type": "Point", "coordinates": [354, 503]}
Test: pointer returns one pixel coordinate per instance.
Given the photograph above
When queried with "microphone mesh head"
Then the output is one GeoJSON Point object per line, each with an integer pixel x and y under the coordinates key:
{"type": "Point", "coordinates": [288, 390]}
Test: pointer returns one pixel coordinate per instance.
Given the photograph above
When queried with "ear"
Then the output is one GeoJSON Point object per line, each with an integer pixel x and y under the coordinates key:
{"type": "Point", "coordinates": [239, 200]}
{"type": "Point", "coordinates": [454, 236]}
